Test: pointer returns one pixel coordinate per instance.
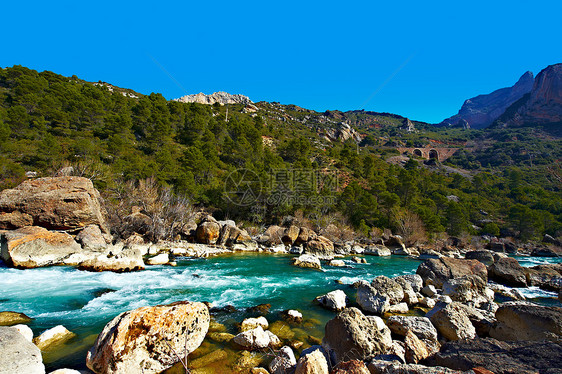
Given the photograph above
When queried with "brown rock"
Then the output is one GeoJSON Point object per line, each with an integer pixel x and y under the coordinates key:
{"type": "Point", "coordinates": [351, 367]}
{"type": "Point", "coordinates": [312, 363]}
{"type": "Point", "coordinates": [453, 322]}
{"type": "Point", "coordinates": [438, 271]}
{"type": "Point", "coordinates": [290, 235]}
{"type": "Point", "coordinates": [352, 335]}
{"type": "Point", "coordinates": [14, 220]}
{"type": "Point", "coordinates": [60, 203]}
{"type": "Point", "coordinates": [416, 349]}
{"type": "Point", "coordinates": [305, 234]}
{"type": "Point", "coordinates": [92, 238]}
{"type": "Point", "coordinates": [141, 339]}
{"type": "Point", "coordinates": [208, 233]}
{"type": "Point", "coordinates": [508, 271]}
{"type": "Point", "coordinates": [320, 247]}
{"type": "Point", "coordinates": [13, 318]}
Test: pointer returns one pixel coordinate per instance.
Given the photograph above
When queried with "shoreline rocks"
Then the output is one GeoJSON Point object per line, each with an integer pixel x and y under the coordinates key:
{"type": "Point", "coordinates": [17, 354]}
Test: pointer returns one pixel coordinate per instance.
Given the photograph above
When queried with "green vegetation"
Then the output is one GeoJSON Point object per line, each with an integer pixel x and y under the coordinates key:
{"type": "Point", "coordinates": [112, 135]}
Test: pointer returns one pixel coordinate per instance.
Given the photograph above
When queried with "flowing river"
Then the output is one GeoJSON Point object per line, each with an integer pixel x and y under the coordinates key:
{"type": "Point", "coordinates": [84, 302]}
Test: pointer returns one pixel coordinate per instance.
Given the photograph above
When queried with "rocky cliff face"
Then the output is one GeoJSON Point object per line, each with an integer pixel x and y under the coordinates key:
{"type": "Point", "coordinates": [544, 103]}
{"type": "Point", "coordinates": [217, 97]}
{"type": "Point", "coordinates": [481, 111]}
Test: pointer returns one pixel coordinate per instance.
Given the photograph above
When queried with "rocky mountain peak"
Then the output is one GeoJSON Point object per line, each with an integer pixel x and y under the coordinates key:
{"type": "Point", "coordinates": [482, 110]}
{"type": "Point", "coordinates": [217, 97]}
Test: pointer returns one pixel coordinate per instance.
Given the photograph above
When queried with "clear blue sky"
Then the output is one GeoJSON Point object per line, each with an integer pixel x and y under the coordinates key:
{"type": "Point", "coordinates": [420, 59]}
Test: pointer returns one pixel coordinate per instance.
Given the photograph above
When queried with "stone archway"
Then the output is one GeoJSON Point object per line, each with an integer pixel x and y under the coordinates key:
{"type": "Point", "coordinates": [433, 154]}
{"type": "Point", "coordinates": [417, 153]}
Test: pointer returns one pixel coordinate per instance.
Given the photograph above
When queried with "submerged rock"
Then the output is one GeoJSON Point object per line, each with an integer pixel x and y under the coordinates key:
{"type": "Point", "coordinates": [52, 337]}
{"type": "Point", "coordinates": [252, 323]}
{"type": "Point", "coordinates": [140, 339]}
{"type": "Point", "coordinates": [13, 318]}
{"type": "Point", "coordinates": [352, 335]}
{"type": "Point", "coordinates": [18, 355]}
{"type": "Point", "coordinates": [256, 338]}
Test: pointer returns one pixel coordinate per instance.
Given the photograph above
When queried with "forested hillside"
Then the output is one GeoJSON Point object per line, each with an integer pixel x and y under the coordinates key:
{"type": "Point", "coordinates": [509, 183]}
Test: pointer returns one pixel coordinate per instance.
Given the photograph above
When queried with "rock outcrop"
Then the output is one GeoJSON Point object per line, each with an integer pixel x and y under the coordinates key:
{"type": "Point", "coordinates": [220, 97]}
{"type": "Point", "coordinates": [480, 111]}
{"type": "Point", "coordinates": [543, 105]}
{"type": "Point", "coordinates": [18, 355]}
{"type": "Point", "coordinates": [141, 339]}
{"type": "Point", "coordinates": [58, 203]}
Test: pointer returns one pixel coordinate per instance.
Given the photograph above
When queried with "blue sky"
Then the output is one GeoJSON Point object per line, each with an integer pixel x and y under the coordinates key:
{"type": "Point", "coordinates": [417, 59]}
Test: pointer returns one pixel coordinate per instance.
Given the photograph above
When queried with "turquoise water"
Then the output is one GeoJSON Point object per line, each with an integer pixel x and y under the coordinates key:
{"type": "Point", "coordinates": [84, 302]}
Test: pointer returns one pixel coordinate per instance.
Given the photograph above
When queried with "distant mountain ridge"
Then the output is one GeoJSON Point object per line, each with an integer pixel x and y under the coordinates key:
{"type": "Point", "coordinates": [481, 111]}
{"type": "Point", "coordinates": [543, 105]}
{"type": "Point", "coordinates": [220, 97]}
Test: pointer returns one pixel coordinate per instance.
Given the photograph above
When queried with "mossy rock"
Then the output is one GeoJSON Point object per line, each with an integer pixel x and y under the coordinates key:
{"type": "Point", "coordinates": [13, 318]}
{"type": "Point", "coordinates": [220, 337]}
{"type": "Point", "coordinates": [206, 360]}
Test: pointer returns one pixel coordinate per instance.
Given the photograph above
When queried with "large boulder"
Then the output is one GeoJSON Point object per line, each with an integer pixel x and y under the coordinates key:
{"type": "Point", "coordinates": [523, 357]}
{"type": "Point", "coordinates": [452, 321]}
{"type": "Point", "coordinates": [92, 238]}
{"type": "Point", "coordinates": [508, 271]}
{"type": "Point", "coordinates": [438, 271]}
{"type": "Point", "coordinates": [207, 232]}
{"type": "Point", "coordinates": [544, 276]}
{"type": "Point", "coordinates": [272, 236]}
{"type": "Point", "coordinates": [484, 256]}
{"type": "Point", "coordinates": [414, 280]}
{"type": "Point", "coordinates": [420, 326]}
{"type": "Point", "coordinates": [305, 234]}
{"type": "Point", "coordinates": [377, 251]}
{"type": "Point", "coordinates": [526, 321]}
{"type": "Point", "coordinates": [369, 299]}
{"type": "Point", "coordinates": [143, 339]}
{"type": "Point", "coordinates": [290, 235]}
{"type": "Point", "coordinates": [352, 335]}
{"type": "Point", "coordinates": [59, 203]}
{"type": "Point", "coordinates": [321, 247]}
{"type": "Point", "coordinates": [464, 289]}
{"type": "Point", "coordinates": [389, 288]}
{"type": "Point", "coordinates": [117, 259]}
{"type": "Point", "coordinates": [33, 246]}
{"type": "Point", "coordinates": [18, 355]}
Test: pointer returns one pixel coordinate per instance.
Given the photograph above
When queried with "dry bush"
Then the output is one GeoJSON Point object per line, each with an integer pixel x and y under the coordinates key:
{"type": "Point", "coordinates": [164, 214]}
{"type": "Point", "coordinates": [375, 233]}
{"type": "Point", "coordinates": [411, 228]}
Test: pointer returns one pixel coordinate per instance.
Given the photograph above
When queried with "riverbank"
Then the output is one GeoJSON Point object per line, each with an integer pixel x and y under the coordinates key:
{"type": "Point", "coordinates": [84, 302]}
